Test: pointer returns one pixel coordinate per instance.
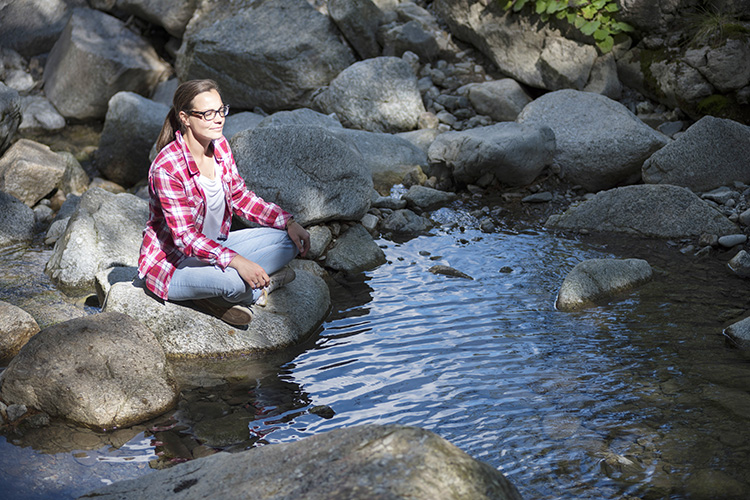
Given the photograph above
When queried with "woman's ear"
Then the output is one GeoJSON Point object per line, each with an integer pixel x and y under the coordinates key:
{"type": "Point", "coordinates": [183, 117]}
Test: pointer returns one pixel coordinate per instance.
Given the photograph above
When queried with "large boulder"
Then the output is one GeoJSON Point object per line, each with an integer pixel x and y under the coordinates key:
{"type": "Point", "coordinates": [502, 100]}
{"type": "Point", "coordinates": [527, 50]}
{"type": "Point", "coordinates": [31, 27]}
{"type": "Point", "coordinates": [16, 221]}
{"type": "Point", "coordinates": [597, 279]}
{"type": "Point", "coordinates": [515, 154]}
{"type": "Point", "coordinates": [713, 152]}
{"type": "Point", "coordinates": [30, 171]}
{"type": "Point", "coordinates": [271, 54]}
{"type": "Point", "coordinates": [104, 370]}
{"type": "Point", "coordinates": [172, 15]}
{"type": "Point", "coordinates": [308, 171]}
{"type": "Point", "coordinates": [659, 211]}
{"type": "Point", "coordinates": [16, 328]}
{"type": "Point", "coordinates": [95, 57]}
{"type": "Point", "coordinates": [379, 95]}
{"type": "Point", "coordinates": [358, 20]}
{"type": "Point", "coordinates": [654, 15]}
{"type": "Point", "coordinates": [131, 127]}
{"type": "Point", "coordinates": [363, 462]}
{"type": "Point", "coordinates": [354, 251]}
{"type": "Point", "coordinates": [600, 143]}
{"type": "Point", "coordinates": [105, 231]}
{"type": "Point", "coordinates": [293, 313]}
{"type": "Point", "coordinates": [10, 115]}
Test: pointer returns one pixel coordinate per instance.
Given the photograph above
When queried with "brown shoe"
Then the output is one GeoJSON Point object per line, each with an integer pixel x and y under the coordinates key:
{"type": "Point", "coordinates": [278, 279]}
{"type": "Point", "coordinates": [234, 314]}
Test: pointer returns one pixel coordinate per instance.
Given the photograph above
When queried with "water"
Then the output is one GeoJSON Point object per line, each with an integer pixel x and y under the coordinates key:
{"type": "Point", "coordinates": [640, 397]}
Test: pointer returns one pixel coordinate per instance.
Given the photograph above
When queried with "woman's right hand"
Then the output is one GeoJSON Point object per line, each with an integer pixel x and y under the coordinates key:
{"type": "Point", "coordinates": [252, 273]}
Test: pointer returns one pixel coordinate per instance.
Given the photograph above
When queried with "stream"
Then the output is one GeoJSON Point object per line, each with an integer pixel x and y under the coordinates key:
{"type": "Point", "coordinates": [641, 397]}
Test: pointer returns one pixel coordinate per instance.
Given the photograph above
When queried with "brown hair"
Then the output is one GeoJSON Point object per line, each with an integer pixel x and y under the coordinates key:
{"type": "Point", "coordinates": [183, 98]}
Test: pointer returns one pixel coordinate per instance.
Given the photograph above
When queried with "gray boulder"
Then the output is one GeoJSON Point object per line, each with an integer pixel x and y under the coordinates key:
{"type": "Point", "coordinates": [103, 370]}
{"type": "Point", "coordinates": [411, 36]}
{"type": "Point", "coordinates": [293, 313]}
{"type": "Point", "coordinates": [31, 27]}
{"type": "Point", "coordinates": [10, 115]}
{"type": "Point", "coordinates": [75, 179]}
{"type": "Point", "coordinates": [597, 279]}
{"type": "Point", "coordinates": [501, 100]}
{"type": "Point", "coordinates": [566, 64]}
{"type": "Point", "coordinates": [16, 328]}
{"type": "Point", "coordinates": [651, 16]}
{"type": "Point", "coordinates": [677, 84]}
{"type": "Point", "coordinates": [426, 198]}
{"type": "Point", "coordinates": [713, 152]}
{"type": "Point", "coordinates": [39, 113]}
{"type": "Point", "coordinates": [111, 57]}
{"type": "Point", "coordinates": [740, 264]}
{"type": "Point", "coordinates": [604, 79]}
{"type": "Point", "coordinates": [719, 65]}
{"type": "Point", "coordinates": [272, 55]}
{"type": "Point", "coordinates": [405, 222]}
{"type": "Point", "coordinates": [379, 95]}
{"type": "Point", "coordinates": [131, 127]}
{"type": "Point", "coordinates": [515, 154]}
{"type": "Point", "coordinates": [308, 171]}
{"type": "Point", "coordinates": [660, 211]}
{"type": "Point", "coordinates": [354, 251]}
{"type": "Point", "coordinates": [370, 461]}
{"type": "Point", "coordinates": [30, 171]}
{"type": "Point", "coordinates": [16, 221]}
{"type": "Point", "coordinates": [320, 238]}
{"type": "Point", "coordinates": [172, 15]}
{"type": "Point", "coordinates": [739, 332]}
{"type": "Point", "coordinates": [238, 122]}
{"type": "Point", "coordinates": [358, 20]}
{"type": "Point", "coordinates": [301, 116]}
{"type": "Point", "coordinates": [105, 231]}
{"type": "Point", "coordinates": [599, 142]}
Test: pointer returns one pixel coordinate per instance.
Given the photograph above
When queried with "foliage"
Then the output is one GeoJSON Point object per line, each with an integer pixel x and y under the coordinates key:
{"type": "Point", "coordinates": [591, 17]}
{"type": "Point", "coordinates": [713, 27]}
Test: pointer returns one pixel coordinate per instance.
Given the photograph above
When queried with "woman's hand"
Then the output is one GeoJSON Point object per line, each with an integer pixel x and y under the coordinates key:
{"type": "Point", "coordinates": [252, 273]}
{"type": "Point", "coordinates": [299, 236]}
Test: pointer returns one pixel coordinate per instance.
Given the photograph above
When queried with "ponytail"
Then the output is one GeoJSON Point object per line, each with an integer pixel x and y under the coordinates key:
{"type": "Point", "coordinates": [167, 134]}
{"type": "Point", "coordinates": [182, 100]}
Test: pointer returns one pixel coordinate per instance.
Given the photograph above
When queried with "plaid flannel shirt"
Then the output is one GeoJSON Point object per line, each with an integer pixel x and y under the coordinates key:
{"type": "Point", "coordinates": [177, 208]}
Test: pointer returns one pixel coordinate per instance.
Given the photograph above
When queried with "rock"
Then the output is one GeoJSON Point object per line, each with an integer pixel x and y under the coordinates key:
{"type": "Point", "coordinates": [10, 116]}
{"type": "Point", "coordinates": [409, 37]}
{"type": "Point", "coordinates": [293, 50]}
{"type": "Point", "coordinates": [731, 240]}
{"type": "Point", "coordinates": [112, 57]}
{"type": "Point", "coordinates": [422, 138]}
{"type": "Point", "coordinates": [515, 154]}
{"type": "Point", "coordinates": [405, 222]}
{"type": "Point", "coordinates": [16, 328]}
{"type": "Point", "coordinates": [172, 15]}
{"type": "Point", "coordinates": [718, 64]}
{"type": "Point", "coordinates": [449, 271]}
{"type": "Point", "coordinates": [740, 264]}
{"type": "Point", "coordinates": [501, 100]}
{"type": "Point", "coordinates": [302, 116]}
{"type": "Point", "coordinates": [75, 179]}
{"type": "Point", "coordinates": [660, 211]}
{"type": "Point", "coordinates": [596, 279]}
{"type": "Point", "coordinates": [603, 79]}
{"type": "Point", "coordinates": [238, 122]}
{"type": "Point", "coordinates": [712, 152]}
{"type": "Point", "coordinates": [566, 64]}
{"type": "Point", "coordinates": [670, 129]}
{"type": "Point", "coordinates": [370, 461]}
{"type": "Point", "coordinates": [104, 370]}
{"type": "Point", "coordinates": [15, 411]}
{"type": "Point", "coordinates": [677, 84]}
{"type": "Point", "coordinates": [105, 231]}
{"type": "Point", "coordinates": [720, 195]}
{"type": "Point", "coordinates": [306, 170]}
{"type": "Point", "coordinates": [426, 198]}
{"type": "Point", "coordinates": [379, 95]}
{"type": "Point", "coordinates": [600, 143]}
{"type": "Point", "coordinates": [108, 277]}
{"type": "Point", "coordinates": [646, 15]}
{"type": "Point", "coordinates": [31, 27]}
{"type": "Point", "coordinates": [16, 221]}
{"type": "Point", "coordinates": [739, 332]}
{"type": "Point", "coordinates": [131, 127]}
{"type": "Point", "coordinates": [358, 20]}
{"type": "Point", "coordinates": [369, 222]}
{"type": "Point", "coordinates": [354, 252]}
{"type": "Point", "coordinates": [30, 171]}
{"type": "Point", "coordinates": [39, 113]}
{"type": "Point", "coordinates": [293, 313]}
{"type": "Point", "coordinates": [320, 238]}
{"type": "Point", "coordinates": [542, 197]}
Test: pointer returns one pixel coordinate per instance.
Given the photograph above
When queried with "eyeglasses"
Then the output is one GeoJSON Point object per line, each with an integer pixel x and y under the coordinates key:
{"type": "Point", "coordinates": [211, 113]}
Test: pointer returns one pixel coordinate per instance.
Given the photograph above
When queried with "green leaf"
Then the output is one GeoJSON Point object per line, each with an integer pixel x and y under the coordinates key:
{"type": "Point", "coordinates": [588, 12]}
{"type": "Point", "coordinates": [519, 5]}
{"type": "Point", "coordinates": [508, 5]}
{"type": "Point", "coordinates": [544, 17]}
{"type": "Point", "coordinates": [541, 6]}
{"type": "Point", "coordinates": [611, 7]}
{"type": "Point", "coordinates": [621, 27]}
{"type": "Point", "coordinates": [601, 34]}
{"type": "Point", "coordinates": [606, 44]}
{"type": "Point", "coordinates": [590, 27]}
{"type": "Point", "coordinates": [579, 21]}
{"type": "Point", "coordinates": [598, 4]}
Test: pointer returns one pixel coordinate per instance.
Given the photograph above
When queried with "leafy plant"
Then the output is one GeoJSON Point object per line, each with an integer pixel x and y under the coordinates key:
{"type": "Point", "coordinates": [591, 17]}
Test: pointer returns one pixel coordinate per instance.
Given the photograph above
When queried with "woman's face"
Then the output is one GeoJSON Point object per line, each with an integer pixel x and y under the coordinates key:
{"type": "Point", "coordinates": [197, 125]}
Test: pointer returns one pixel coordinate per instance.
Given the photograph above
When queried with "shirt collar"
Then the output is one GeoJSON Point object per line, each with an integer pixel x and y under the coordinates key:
{"type": "Point", "coordinates": [192, 166]}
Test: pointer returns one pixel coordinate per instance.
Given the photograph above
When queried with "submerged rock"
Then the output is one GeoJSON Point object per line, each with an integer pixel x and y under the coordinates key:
{"type": "Point", "coordinates": [597, 279]}
{"type": "Point", "coordinates": [449, 271]}
{"type": "Point", "coordinates": [104, 370]}
{"type": "Point", "coordinates": [362, 462]}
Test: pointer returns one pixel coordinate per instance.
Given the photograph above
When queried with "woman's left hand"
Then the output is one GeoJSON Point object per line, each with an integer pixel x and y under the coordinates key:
{"type": "Point", "coordinates": [299, 236]}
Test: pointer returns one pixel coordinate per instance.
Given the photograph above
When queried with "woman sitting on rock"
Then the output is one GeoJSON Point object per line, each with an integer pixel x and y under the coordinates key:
{"type": "Point", "coordinates": [188, 252]}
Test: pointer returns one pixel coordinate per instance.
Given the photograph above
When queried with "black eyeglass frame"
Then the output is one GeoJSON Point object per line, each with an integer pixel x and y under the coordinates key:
{"type": "Point", "coordinates": [210, 114]}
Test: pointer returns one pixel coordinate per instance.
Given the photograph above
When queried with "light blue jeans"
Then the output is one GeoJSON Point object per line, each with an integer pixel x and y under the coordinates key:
{"type": "Point", "coordinates": [270, 248]}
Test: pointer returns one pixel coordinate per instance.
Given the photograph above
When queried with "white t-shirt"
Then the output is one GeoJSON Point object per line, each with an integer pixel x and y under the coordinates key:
{"type": "Point", "coordinates": [215, 203]}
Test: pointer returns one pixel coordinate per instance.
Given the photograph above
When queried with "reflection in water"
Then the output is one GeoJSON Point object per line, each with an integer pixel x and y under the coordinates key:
{"type": "Point", "coordinates": [636, 397]}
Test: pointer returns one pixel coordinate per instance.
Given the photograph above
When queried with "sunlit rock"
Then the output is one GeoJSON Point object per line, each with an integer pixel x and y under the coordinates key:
{"type": "Point", "coordinates": [16, 328]}
{"type": "Point", "coordinates": [599, 279]}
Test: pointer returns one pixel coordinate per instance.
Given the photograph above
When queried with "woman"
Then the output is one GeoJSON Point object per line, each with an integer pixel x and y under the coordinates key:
{"type": "Point", "coordinates": [188, 252]}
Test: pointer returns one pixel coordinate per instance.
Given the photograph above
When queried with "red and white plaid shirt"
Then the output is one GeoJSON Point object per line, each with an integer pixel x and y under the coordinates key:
{"type": "Point", "coordinates": [177, 207]}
